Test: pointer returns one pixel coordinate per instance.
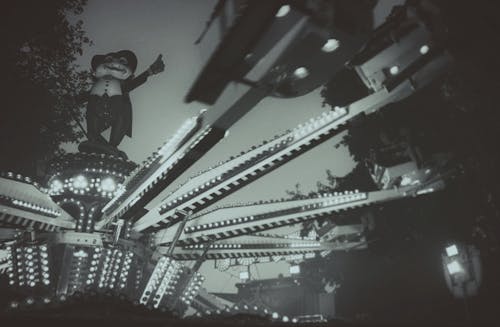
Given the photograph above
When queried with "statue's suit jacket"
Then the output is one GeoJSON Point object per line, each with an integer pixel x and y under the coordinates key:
{"type": "Point", "coordinates": [126, 86]}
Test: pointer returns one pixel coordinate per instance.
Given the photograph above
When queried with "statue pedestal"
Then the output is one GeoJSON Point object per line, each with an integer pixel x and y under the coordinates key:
{"type": "Point", "coordinates": [82, 183]}
{"type": "Point", "coordinates": [101, 148]}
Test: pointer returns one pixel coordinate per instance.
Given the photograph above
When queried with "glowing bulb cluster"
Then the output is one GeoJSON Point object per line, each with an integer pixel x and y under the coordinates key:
{"type": "Point", "coordinates": [114, 268]}
{"type": "Point", "coordinates": [28, 266]}
{"type": "Point", "coordinates": [192, 289]}
{"type": "Point", "coordinates": [107, 186]}
{"type": "Point", "coordinates": [80, 182]}
{"type": "Point", "coordinates": [56, 186]}
{"type": "Point", "coordinates": [163, 278]}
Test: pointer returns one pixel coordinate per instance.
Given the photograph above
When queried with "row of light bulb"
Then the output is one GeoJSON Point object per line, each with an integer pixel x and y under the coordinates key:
{"type": "Point", "coordinates": [214, 246]}
{"type": "Point", "coordinates": [94, 262]}
{"type": "Point", "coordinates": [337, 198]}
{"type": "Point", "coordinates": [158, 272]}
{"type": "Point", "coordinates": [111, 272]}
{"type": "Point", "coordinates": [81, 185]}
{"type": "Point", "coordinates": [212, 182]}
{"type": "Point", "coordinates": [125, 269]}
{"type": "Point", "coordinates": [165, 274]}
{"type": "Point", "coordinates": [36, 207]}
{"type": "Point", "coordinates": [193, 288]}
{"type": "Point", "coordinates": [245, 307]}
{"type": "Point", "coordinates": [189, 296]}
{"type": "Point", "coordinates": [189, 194]}
{"type": "Point", "coordinates": [317, 123]}
{"type": "Point", "coordinates": [228, 222]}
{"type": "Point", "coordinates": [171, 145]}
{"type": "Point", "coordinates": [145, 186]}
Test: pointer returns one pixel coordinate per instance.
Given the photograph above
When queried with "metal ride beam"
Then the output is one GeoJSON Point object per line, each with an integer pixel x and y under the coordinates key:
{"type": "Point", "coordinates": [212, 185]}
{"type": "Point", "coordinates": [154, 175]}
{"type": "Point", "coordinates": [162, 168]}
{"type": "Point", "coordinates": [228, 60]}
{"type": "Point", "coordinates": [270, 47]}
{"type": "Point", "coordinates": [418, 69]}
{"type": "Point", "coordinates": [23, 218]}
{"type": "Point", "coordinates": [7, 234]}
{"type": "Point", "coordinates": [256, 246]}
{"type": "Point", "coordinates": [24, 205]}
{"type": "Point", "coordinates": [218, 224]}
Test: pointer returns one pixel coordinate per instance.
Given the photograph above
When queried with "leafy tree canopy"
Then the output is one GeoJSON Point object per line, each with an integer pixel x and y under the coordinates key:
{"type": "Point", "coordinates": [41, 40]}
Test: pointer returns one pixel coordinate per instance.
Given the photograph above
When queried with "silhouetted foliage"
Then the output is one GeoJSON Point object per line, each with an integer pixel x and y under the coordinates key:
{"type": "Point", "coordinates": [459, 115]}
{"type": "Point", "coordinates": [357, 179]}
{"type": "Point", "coordinates": [41, 40]}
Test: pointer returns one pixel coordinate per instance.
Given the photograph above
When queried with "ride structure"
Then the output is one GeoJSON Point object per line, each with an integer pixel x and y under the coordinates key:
{"type": "Point", "coordinates": [86, 227]}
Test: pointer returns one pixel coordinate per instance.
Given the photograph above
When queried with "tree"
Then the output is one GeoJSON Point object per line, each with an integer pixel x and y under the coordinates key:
{"type": "Point", "coordinates": [357, 179]}
{"type": "Point", "coordinates": [40, 82]}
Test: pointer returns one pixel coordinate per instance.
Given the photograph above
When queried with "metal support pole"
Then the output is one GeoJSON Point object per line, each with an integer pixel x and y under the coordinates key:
{"type": "Point", "coordinates": [178, 233]}
{"type": "Point", "coordinates": [201, 259]}
{"type": "Point", "coordinates": [32, 235]}
{"type": "Point", "coordinates": [119, 224]}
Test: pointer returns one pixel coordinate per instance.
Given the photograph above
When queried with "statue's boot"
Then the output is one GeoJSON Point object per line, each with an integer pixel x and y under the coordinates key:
{"type": "Point", "coordinates": [116, 152]}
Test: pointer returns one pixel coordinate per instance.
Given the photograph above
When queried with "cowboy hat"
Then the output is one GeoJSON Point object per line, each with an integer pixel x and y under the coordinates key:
{"type": "Point", "coordinates": [127, 54]}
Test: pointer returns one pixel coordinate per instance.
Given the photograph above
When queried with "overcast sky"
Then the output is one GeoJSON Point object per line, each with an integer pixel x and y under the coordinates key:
{"type": "Point", "coordinates": [151, 27]}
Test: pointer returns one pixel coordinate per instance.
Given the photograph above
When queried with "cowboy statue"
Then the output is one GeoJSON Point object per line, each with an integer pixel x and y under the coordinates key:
{"type": "Point", "coordinates": [108, 101]}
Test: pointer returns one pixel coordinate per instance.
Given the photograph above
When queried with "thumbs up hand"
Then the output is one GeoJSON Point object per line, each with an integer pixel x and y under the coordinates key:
{"type": "Point", "coordinates": [158, 66]}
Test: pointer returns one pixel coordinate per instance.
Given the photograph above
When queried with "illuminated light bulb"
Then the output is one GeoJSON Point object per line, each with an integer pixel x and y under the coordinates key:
{"type": "Point", "coordinates": [283, 11]}
{"type": "Point", "coordinates": [80, 254]}
{"type": "Point", "coordinates": [56, 186]}
{"type": "Point", "coordinates": [80, 182]}
{"type": "Point", "coordinates": [452, 250]}
{"type": "Point", "coordinates": [108, 184]}
{"type": "Point", "coordinates": [424, 49]}
{"type": "Point", "coordinates": [301, 72]}
{"type": "Point", "coordinates": [454, 267]}
{"type": "Point", "coordinates": [330, 45]}
{"type": "Point", "coordinates": [394, 70]}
